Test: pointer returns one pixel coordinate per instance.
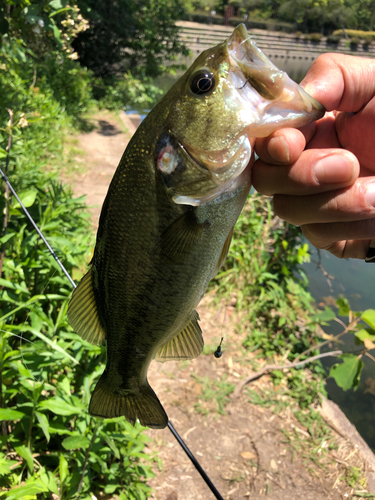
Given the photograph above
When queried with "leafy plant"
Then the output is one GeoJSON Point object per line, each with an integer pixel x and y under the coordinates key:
{"type": "Point", "coordinates": [261, 272]}
{"type": "Point", "coordinates": [49, 444]}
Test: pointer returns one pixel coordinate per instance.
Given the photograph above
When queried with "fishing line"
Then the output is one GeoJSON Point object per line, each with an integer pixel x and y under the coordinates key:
{"type": "Point", "coordinates": [37, 229]}
{"type": "Point", "coordinates": [170, 426]}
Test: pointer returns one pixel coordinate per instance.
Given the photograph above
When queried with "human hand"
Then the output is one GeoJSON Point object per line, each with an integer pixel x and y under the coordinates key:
{"type": "Point", "coordinates": [322, 177]}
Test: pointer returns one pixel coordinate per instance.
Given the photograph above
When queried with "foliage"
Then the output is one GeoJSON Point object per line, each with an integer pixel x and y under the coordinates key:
{"type": "Point", "coordinates": [262, 273]}
{"type": "Point", "coordinates": [38, 67]}
{"type": "Point", "coordinates": [260, 270]}
{"type": "Point", "coordinates": [49, 445]}
{"type": "Point", "coordinates": [138, 93]}
{"type": "Point", "coordinates": [322, 16]}
{"type": "Point", "coordinates": [347, 374]}
{"type": "Point", "coordinates": [45, 25]}
{"type": "Point", "coordinates": [144, 44]}
{"type": "Point", "coordinates": [363, 35]}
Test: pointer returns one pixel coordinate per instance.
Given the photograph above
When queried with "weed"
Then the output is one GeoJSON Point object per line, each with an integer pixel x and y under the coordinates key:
{"type": "Point", "coordinates": [214, 392]}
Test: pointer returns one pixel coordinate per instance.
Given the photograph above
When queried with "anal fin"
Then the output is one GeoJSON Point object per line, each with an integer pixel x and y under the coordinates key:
{"type": "Point", "coordinates": [83, 313]}
{"type": "Point", "coordinates": [187, 344]}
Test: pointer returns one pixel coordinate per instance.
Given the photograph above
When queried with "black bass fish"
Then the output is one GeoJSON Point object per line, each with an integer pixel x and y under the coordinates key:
{"type": "Point", "coordinates": [167, 221]}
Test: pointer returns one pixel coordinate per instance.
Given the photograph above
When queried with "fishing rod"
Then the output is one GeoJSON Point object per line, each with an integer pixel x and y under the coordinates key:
{"type": "Point", "coordinates": [179, 439]}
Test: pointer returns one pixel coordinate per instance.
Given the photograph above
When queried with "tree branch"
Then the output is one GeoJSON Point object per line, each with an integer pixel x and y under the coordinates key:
{"type": "Point", "coordinates": [269, 368]}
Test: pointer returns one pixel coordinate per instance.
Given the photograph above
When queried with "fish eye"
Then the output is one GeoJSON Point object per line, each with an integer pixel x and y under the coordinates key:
{"type": "Point", "coordinates": [202, 83]}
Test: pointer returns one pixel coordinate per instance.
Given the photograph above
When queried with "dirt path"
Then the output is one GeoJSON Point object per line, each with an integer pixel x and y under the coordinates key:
{"type": "Point", "coordinates": [252, 447]}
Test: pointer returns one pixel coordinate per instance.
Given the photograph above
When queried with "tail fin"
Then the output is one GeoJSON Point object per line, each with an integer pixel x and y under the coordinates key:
{"type": "Point", "coordinates": [143, 405]}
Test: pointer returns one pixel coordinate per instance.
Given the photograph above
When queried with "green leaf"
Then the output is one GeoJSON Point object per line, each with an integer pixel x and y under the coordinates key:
{"type": "Point", "coordinates": [56, 4]}
{"type": "Point", "coordinates": [8, 414]}
{"type": "Point", "coordinates": [49, 480]}
{"type": "Point", "coordinates": [7, 237]}
{"type": "Point", "coordinates": [31, 488]}
{"type": "Point", "coordinates": [60, 11]}
{"type": "Point", "coordinates": [63, 468]}
{"type": "Point", "coordinates": [326, 315]}
{"type": "Point", "coordinates": [365, 334]}
{"type": "Point", "coordinates": [56, 33]}
{"type": "Point", "coordinates": [75, 442]}
{"type": "Point", "coordinates": [3, 153]}
{"type": "Point", "coordinates": [44, 424]}
{"type": "Point", "coordinates": [27, 197]}
{"type": "Point", "coordinates": [347, 373]}
{"type": "Point", "coordinates": [369, 317]}
{"type": "Point", "coordinates": [111, 488]}
{"type": "Point", "coordinates": [5, 465]}
{"type": "Point", "coordinates": [344, 306]}
{"type": "Point", "coordinates": [54, 345]}
{"type": "Point", "coordinates": [60, 407]}
{"type": "Point", "coordinates": [24, 452]}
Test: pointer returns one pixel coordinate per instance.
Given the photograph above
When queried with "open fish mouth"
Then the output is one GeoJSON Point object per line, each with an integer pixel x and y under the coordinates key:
{"type": "Point", "coordinates": [278, 101]}
{"type": "Point", "coordinates": [223, 168]}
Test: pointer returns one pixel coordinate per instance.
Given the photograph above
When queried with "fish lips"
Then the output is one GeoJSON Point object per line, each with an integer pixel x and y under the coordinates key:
{"type": "Point", "coordinates": [281, 102]}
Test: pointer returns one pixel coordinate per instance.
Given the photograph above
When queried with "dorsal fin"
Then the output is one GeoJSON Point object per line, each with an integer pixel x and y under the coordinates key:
{"type": "Point", "coordinates": [187, 344]}
{"type": "Point", "coordinates": [83, 313]}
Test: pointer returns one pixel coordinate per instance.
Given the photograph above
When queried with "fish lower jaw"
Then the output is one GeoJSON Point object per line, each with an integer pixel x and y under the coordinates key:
{"type": "Point", "coordinates": [225, 175]}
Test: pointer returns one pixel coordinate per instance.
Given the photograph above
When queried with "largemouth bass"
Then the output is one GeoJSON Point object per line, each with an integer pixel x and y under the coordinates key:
{"type": "Point", "coordinates": [167, 221]}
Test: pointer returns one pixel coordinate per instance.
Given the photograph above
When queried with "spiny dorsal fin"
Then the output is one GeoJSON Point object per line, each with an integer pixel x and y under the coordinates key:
{"type": "Point", "coordinates": [224, 253]}
{"type": "Point", "coordinates": [181, 237]}
{"type": "Point", "coordinates": [83, 313]}
{"type": "Point", "coordinates": [188, 344]}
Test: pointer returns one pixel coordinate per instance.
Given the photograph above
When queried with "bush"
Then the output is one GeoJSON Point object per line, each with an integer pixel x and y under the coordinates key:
{"type": "Point", "coordinates": [50, 445]}
{"type": "Point", "coordinates": [369, 36]}
{"type": "Point", "coordinates": [334, 39]}
{"type": "Point", "coordinates": [313, 37]}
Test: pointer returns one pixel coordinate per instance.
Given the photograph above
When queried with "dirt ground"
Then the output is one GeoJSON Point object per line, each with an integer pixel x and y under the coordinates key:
{"type": "Point", "coordinates": [249, 451]}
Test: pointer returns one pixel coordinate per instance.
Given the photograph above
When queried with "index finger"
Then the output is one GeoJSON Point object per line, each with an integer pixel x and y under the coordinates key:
{"type": "Point", "coordinates": [341, 82]}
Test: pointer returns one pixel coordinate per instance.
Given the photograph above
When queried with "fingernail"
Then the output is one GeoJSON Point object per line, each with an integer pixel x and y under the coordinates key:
{"type": "Point", "coordinates": [370, 194]}
{"type": "Point", "coordinates": [333, 169]}
{"type": "Point", "coordinates": [278, 149]}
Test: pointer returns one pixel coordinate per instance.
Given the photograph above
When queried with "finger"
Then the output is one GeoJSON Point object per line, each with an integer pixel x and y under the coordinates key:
{"type": "Point", "coordinates": [316, 171]}
{"type": "Point", "coordinates": [325, 135]}
{"type": "Point", "coordinates": [356, 132]}
{"type": "Point", "coordinates": [341, 82]}
{"type": "Point", "coordinates": [353, 203]}
{"type": "Point", "coordinates": [344, 240]}
{"type": "Point", "coordinates": [284, 146]}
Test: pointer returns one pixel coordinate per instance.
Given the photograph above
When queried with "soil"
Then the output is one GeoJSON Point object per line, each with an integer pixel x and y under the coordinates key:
{"type": "Point", "coordinates": [249, 451]}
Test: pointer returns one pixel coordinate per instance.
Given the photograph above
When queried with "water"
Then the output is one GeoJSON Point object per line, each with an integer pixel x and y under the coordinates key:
{"type": "Point", "coordinates": [353, 280]}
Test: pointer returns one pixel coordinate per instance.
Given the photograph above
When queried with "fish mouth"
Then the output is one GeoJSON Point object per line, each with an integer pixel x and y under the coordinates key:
{"type": "Point", "coordinates": [224, 167]}
{"type": "Point", "coordinates": [280, 102]}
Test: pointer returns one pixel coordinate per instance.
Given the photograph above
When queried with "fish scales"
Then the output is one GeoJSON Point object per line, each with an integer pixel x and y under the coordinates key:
{"type": "Point", "coordinates": [168, 217]}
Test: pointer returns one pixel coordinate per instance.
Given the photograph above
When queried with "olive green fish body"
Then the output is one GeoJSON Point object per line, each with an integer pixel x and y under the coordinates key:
{"type": "Point", "coordinates": [167, 220]}
{"type": "Point", "coordinates": [149, 294]}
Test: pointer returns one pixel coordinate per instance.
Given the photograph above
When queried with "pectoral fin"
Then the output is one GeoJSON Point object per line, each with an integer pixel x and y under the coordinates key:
{"type": "Point", "coordinates": [83, 313]}
{"type": "Point", "coordinates": [181, 237]}
{"type": "Point", "coordinates": [188, 344]}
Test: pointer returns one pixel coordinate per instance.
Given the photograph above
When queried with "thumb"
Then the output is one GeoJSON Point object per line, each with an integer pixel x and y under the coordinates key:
{"type": "Point", "coordinates": [341, 82]}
